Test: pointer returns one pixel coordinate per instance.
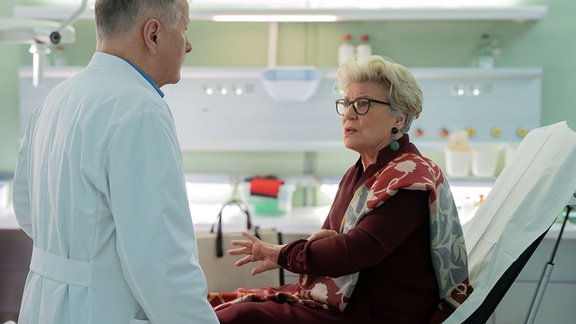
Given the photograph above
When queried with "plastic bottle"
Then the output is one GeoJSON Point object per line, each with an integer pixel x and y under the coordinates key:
{"type": "Point", "coordinates": [467, 209]}
{"type": "Point", "coordinates": [345, 50]}
{"type": "Point", "coordinates": [485, 55]}
{"type": "Point", "coordinates": [58, 57]}
{"type": "Point", "coordinates": [363, 50]}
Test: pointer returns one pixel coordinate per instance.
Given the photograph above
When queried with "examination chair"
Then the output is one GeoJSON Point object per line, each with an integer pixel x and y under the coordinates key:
{"type": "Point", "coordinates": [527, 197]}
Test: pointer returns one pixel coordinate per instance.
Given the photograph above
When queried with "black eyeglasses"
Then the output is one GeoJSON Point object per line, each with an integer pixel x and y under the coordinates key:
{"type": "Point", "coordinates": [360, 105]}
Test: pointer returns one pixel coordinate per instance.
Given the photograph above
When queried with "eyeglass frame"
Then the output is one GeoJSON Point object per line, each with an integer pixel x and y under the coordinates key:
{"type": "Point", "coordinates": [353, 103]}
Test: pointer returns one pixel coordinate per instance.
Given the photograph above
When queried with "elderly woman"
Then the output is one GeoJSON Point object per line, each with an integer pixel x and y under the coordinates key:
{"type": "Point", "coordinates": [391, 249]}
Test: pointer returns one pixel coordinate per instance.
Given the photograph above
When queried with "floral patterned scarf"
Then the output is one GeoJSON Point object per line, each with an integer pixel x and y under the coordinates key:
{"type": "Point", "coordinates": [409, 172]}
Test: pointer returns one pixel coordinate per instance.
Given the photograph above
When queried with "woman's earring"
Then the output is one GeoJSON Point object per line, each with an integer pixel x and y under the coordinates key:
{"type": "Point", "coordinates": [394, 146]}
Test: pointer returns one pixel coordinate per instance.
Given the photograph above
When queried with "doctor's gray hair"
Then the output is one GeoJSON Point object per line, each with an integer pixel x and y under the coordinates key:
{"type": "Point", "coordinates": [117, 17]}
{"type": "Point", "coordinates": [404, 93]}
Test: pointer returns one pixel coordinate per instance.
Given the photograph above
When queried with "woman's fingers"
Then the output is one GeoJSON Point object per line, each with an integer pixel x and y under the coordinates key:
{"type": "Point", "coordinates": [239, 251]}
{"type": "Point", "coordinates": [245, 260]}
{"type": "Point", "coordinates": [250, 236]}
{"type": "Point", "coordinates": [243, 243]}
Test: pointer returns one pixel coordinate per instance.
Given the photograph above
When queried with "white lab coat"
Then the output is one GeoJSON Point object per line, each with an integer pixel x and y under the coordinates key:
{"type": "Point", "coordinates": [99, 186]}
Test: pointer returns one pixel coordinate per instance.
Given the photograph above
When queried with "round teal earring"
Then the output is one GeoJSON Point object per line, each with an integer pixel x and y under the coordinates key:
{"type": "Point", "coordinates": [394, 146]}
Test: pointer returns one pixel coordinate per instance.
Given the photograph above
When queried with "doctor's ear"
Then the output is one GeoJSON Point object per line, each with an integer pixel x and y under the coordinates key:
{"type": "Point", "coordinates": [150, 35]}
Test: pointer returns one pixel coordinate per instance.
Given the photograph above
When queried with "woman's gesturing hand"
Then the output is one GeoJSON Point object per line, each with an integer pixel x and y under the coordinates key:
{"type": "Point", "coordinates": [256, 250]}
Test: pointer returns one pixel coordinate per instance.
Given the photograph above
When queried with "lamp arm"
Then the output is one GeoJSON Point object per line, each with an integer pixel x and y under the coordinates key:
{"type": "Point", "coordinates": [55, 36]}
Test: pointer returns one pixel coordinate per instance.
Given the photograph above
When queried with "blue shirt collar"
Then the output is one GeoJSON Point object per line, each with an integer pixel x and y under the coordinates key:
{"type": "Point", "coordinates": [147, 78]}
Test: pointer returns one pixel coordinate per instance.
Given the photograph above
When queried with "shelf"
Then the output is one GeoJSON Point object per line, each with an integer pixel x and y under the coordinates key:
{"type": "Point", "coordinates": [519, 14]}
{"type": "Point", "coordinates": [474, 73]}
{"type": "Point", "coordinates": [419, 73]}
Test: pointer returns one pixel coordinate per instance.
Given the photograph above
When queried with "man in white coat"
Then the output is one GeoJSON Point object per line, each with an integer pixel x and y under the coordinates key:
{"type": "Point", "coordinates": [99, 183]}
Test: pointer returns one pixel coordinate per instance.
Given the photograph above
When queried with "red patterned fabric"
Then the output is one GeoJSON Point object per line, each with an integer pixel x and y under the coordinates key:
{"type": "Point", "coordinates": [457, 297]}
{"type": "Point", "coordinates": [286, 293]}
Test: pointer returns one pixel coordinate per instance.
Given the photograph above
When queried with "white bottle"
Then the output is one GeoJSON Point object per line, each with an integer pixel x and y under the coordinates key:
{"type": "Point", "coordinates": [345, 50]}
{"type": "Point", "coordinates": [485, 55]}
{"type": "Point", "coordinates": [363, 50]}
{"type": "Point", "coordinates": [467, 210]}
{"type": "Point", "coordinates": [58, 57]}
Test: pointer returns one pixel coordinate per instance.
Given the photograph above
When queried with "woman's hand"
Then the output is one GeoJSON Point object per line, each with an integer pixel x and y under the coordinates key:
{"type": "Point", "coordinates": [323, 233]}
{"type": "Point", "coordinates": [256, 250]}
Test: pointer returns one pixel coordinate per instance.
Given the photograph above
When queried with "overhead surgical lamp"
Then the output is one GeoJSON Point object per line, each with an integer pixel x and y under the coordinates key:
{"type": "Point", "coordinates": [40, 34]}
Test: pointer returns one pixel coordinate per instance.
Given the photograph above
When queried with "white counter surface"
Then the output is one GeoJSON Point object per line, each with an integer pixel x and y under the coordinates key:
{"type": "Point", "coordinates": [301, 220]}
{"type": "Point", "coordinates": [8, 219]}
{"type": "Point", "coordinates": [298, 221]}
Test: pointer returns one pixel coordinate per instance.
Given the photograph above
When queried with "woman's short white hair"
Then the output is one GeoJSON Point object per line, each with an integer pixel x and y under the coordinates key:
{"type": "Point", "coordinates": [404, 93]}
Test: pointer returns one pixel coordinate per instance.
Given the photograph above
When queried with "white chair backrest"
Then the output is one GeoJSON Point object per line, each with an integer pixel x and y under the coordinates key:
{"type": "Point", "coordinates": [532, 190]}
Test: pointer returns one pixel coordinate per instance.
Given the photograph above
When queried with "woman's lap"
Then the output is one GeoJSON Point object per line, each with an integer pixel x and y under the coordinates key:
{"type": "Point", "coordinates": [273, 312]}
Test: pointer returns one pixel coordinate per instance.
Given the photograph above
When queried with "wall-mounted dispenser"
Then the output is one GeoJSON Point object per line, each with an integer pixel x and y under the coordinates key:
{"type": "Point", "coordinates": [291, 83]}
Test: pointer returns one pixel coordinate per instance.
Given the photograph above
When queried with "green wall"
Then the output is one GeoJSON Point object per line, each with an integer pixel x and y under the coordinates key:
{"type": "Point", "coordinates": [548, 43]}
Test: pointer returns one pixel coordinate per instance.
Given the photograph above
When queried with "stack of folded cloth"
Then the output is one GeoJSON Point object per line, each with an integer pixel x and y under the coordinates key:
{"type": "Point", "coordinates": [264, 195]}
{"type": "Point", "coordinates": [265, 187]}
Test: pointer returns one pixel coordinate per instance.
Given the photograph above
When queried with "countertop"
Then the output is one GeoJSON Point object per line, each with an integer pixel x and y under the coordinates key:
{"type": "Point", "coordinates": [301, 220]}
